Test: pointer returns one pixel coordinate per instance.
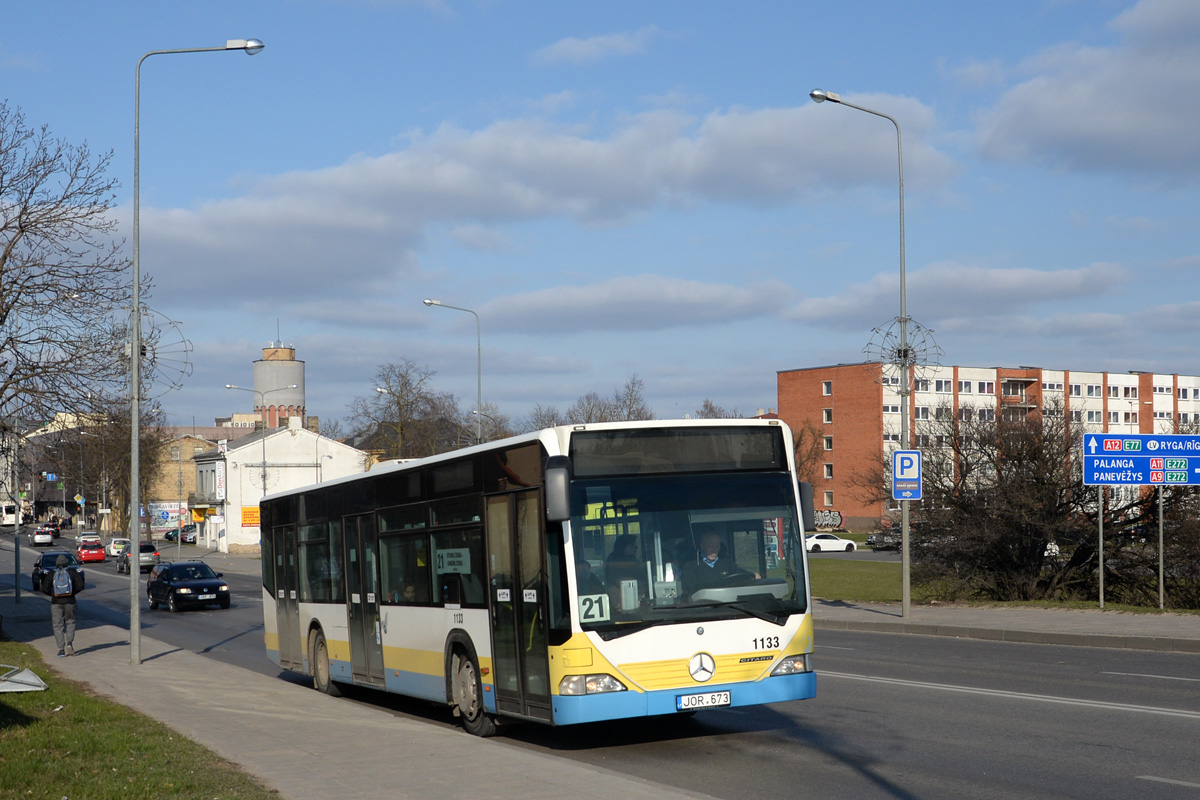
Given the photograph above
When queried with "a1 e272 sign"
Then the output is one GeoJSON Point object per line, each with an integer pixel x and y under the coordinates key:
{"type": "Point", "coordinates": [1143, 459]}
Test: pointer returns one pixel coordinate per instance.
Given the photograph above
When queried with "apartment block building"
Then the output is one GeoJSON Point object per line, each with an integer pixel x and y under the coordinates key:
{"type": "Point", "coordinates": [856, 410]}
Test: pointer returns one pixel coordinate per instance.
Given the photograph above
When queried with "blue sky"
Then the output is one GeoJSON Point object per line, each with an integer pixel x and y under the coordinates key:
{"type": "Point", "coordinates": [638, 188]}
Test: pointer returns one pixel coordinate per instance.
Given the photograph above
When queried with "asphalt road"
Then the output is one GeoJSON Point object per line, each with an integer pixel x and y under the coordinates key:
{"type": "Point", "coordinates": [896, 716]}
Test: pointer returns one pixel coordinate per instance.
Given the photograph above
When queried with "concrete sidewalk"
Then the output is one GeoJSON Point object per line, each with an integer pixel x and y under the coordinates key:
{"type": "Point", "coordinates": [1170, 632]}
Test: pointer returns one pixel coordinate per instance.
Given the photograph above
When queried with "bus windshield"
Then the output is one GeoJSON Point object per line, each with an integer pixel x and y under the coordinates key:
{"type": "Point", "coordinates": [661, 549]}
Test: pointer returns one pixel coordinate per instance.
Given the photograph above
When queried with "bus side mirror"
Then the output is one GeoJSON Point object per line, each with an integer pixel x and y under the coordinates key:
{"type": "Point", "coordinates": [809, 514]}
{"type": "Point", "coordinates": [558, 489]}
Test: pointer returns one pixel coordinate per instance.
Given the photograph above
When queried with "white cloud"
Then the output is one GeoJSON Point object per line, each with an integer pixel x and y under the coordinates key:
{"type": "Point", "coordinates": [359, 228]}
{"type": "Point", "coordinates": [635, 303]}
{"type": "Point", "coordinates": [573, 50]}
{"type": "Point", "coordinates": [949, 295]}
{"type": "Point", "coordinates": [1127, 107]}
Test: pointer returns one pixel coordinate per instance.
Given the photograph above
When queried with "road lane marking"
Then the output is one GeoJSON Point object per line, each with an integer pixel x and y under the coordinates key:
{"type": "Point", "coordinates": [1041, 698]}
{"type": "Point", "coordinates": [1146, 675]}
{"type": "Point", "coordinates": [1168, 780]}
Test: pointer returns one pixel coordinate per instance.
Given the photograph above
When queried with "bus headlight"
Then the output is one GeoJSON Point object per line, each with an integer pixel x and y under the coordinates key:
{"type": "Point", "coordinates": [792, 665]}
{"type": "Point", "coordinates": [589, 684]}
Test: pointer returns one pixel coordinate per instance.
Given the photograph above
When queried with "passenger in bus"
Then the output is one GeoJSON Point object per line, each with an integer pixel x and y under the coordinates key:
{"type": "Point", "coordinates": [712, 566]}
{"type": "Point", "coordinates": [585, 579]}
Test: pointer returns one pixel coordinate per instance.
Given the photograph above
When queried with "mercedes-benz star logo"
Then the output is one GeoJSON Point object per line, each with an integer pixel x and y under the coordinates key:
{"type": "Point", "coordinates": [702, 667]}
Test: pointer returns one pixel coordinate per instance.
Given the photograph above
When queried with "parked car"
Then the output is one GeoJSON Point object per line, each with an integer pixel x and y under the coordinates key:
{"type": "Point", "coordinates": [883, 541]}
{"type": "Point", "coordinates": [147, 558]}
{"type": "Point", "coordinates": [189, 534]}
{"type": "Point", "coordinates": [182, 584]}
{"type": "Point", "coordinates": [44, 535]}
{"type": "Point", "coordinates": [45, 562]}
{"type": "Point", "coordinates": [816, 542]}
{"type": "Point", "coordinates": [116, 545]}
{"type": "Point", "coordinates": [90, 551]}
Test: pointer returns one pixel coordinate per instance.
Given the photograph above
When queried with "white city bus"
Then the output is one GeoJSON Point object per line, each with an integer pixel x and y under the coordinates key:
{"type": "Point", "coordinates": [8, 515]}
{"type": "Point", "coordinates": [555, 576]}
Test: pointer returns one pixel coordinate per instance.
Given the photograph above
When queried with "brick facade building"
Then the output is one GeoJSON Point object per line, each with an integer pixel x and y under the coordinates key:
{"type": "Point", "coordinates": [855, 409]}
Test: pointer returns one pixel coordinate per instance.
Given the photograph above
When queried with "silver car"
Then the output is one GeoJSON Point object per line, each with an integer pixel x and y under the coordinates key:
{"type": "Point", "coordinates": [147, 558]}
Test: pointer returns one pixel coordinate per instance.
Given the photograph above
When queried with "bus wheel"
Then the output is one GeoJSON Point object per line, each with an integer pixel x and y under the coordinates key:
{"type": "Point", "coordinates": [468, 698]}
{"type": "Point", "coordinates": [320, 667]}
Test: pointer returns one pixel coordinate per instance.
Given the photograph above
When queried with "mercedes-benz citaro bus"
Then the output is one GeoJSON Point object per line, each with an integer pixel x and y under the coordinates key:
{"type": "Point", "coordinates": [579, 573]}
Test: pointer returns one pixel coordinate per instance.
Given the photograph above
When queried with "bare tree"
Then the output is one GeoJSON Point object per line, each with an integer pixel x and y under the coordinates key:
{"type": "Point", "coordinates": [589, 408]}
{"type": "Point", "coordinates": [542, 417]}
{"type": "Point", "coordinates": [629, 401]}
{"type": "Point", "coordinates": [710, 410]}
{"type": "Point", "coordinates": [62, 277]}
{"type": "Point", "coordinates": [384, 420]}
{"type": "Point", "coordinates": [808, 443]}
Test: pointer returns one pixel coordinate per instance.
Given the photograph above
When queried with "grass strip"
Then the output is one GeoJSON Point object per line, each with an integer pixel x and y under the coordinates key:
{"type": "Point", "coordinates": [67, 742]}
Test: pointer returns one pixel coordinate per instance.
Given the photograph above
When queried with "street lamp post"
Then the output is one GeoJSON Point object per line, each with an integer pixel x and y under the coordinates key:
{"type": "Point", "coordinates": [262, 404]}
{"type": "Point", "coordinates": [250, 47]}
{"type": "Point", "coordinates": [478, 366]}
{"type": "Point", "coordinates": [903, 356]}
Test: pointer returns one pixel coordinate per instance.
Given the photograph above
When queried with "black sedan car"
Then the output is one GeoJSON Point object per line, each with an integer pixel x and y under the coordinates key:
{"type": "Point", "coordinates": [45, 562]}
{"type": "Point", "coordinates": [183, 584]}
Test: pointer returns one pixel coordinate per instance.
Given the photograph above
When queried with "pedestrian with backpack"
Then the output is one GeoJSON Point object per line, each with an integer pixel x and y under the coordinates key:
{"type": "Point", "coordinates": [62, 585]}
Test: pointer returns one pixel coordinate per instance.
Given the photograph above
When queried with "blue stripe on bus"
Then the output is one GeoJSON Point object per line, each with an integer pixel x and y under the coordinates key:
{"type": "Point", "coordinates": [570, 710]}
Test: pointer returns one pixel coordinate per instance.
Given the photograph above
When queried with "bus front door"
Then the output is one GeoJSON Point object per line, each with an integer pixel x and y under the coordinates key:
{"type": "Point", "coordinates": [362, 576]}
{"type": "Point", "coordinates": [287, 603]}
{"type": "Point", "coordinates": [516, 549]}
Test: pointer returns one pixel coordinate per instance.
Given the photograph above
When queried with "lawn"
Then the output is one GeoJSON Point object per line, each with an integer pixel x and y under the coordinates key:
{"type": "Point", "coordinates": [851, 579]}
{"type": "Point", "coordinates": [67, 742]}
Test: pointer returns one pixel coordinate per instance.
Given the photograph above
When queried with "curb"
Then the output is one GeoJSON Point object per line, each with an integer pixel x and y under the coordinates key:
{"type": "Point", "coordinates": [1153, 643]}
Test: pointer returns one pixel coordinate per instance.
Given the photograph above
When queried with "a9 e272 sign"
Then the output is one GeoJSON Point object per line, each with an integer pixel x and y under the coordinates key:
{"type": "Point", "coordinates": [1144, 459]}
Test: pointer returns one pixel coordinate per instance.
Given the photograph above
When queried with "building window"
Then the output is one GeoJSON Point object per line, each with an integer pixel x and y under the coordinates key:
{"type": "Point", "coordinates": [895, 437]}
{"type": "Point", "coordinates": [1131, 392]}
{"type": "Point", "coordinates": [1162, 415]}
{"type": "Point", "coordinates": [943, 387]}
{"type": "Point", "coordinates": [1052, 387]}
{"type": "Point", "coordinates": [1095, 416]}
{"type": "Point", "coordinates": [1162, 389]}
{"type": "Point", "coordinates": [921, 385]}
{"type": "Point", "coordinates": [1196, 394]}
{"type": "Point", "coordinates": [891, 409]}
{"type": "Point", "coordinates": [828, 442]}
{"type": "Point", "coordinates": [966, 414]}
{"type": "Point", "coordinates": [829, 499]}
{"type": "Point", "coordinates": [923, 440]}
{"type": "Point", "coordinates": [827, 388]}
{"type": "Point", "coordinates": [1183, 394]}
{"type": "Point", "coordinates": [1114, 417]}
{"type": "Point", "coordinates": [1131, 418]}
{"type": "Point", "coordinates": [964, 387]}
{"type": "Point", "coordinates": [987, 415]}
{"type": "Point", "coordinates": [827, 415]}
{"type": "Point", "coordinates": [1076, 390]}
{"type": "Point", "coordinates": [1114, 391]}
{"type": "Point", "coordinates": [891, 380]}
{"type": "Point", "coordinates": [829, 470]}
{"type": "Point", "coordinates": [942, 412]}
{"type": "Point", "coordinates": [1185, 417]}
{"type": "Point", "coordinates": [1012, 389]}
{"type": "Point", "coordinates": [1094, 390]}
{"type": "Point", "coordinates": [922, 412]}
{"type": "Point", "coordinates": [986, 387]}
{"type": "Point", "coordinates": [1076, 416]}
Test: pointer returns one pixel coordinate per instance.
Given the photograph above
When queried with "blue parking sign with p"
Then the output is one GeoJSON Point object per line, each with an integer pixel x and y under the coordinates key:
{"type": "Point", "coordinates": [906, 475]}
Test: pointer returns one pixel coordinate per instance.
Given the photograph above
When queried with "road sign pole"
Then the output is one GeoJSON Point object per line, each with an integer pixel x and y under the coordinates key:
{"type": "Point", "coordinates": [1100, 560]}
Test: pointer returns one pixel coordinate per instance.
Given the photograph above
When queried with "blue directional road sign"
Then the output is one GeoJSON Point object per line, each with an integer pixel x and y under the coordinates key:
{"type": "Point", "coordinates": [1143, 459]}
{"type": "Point", "coordinates": [906, 475]}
